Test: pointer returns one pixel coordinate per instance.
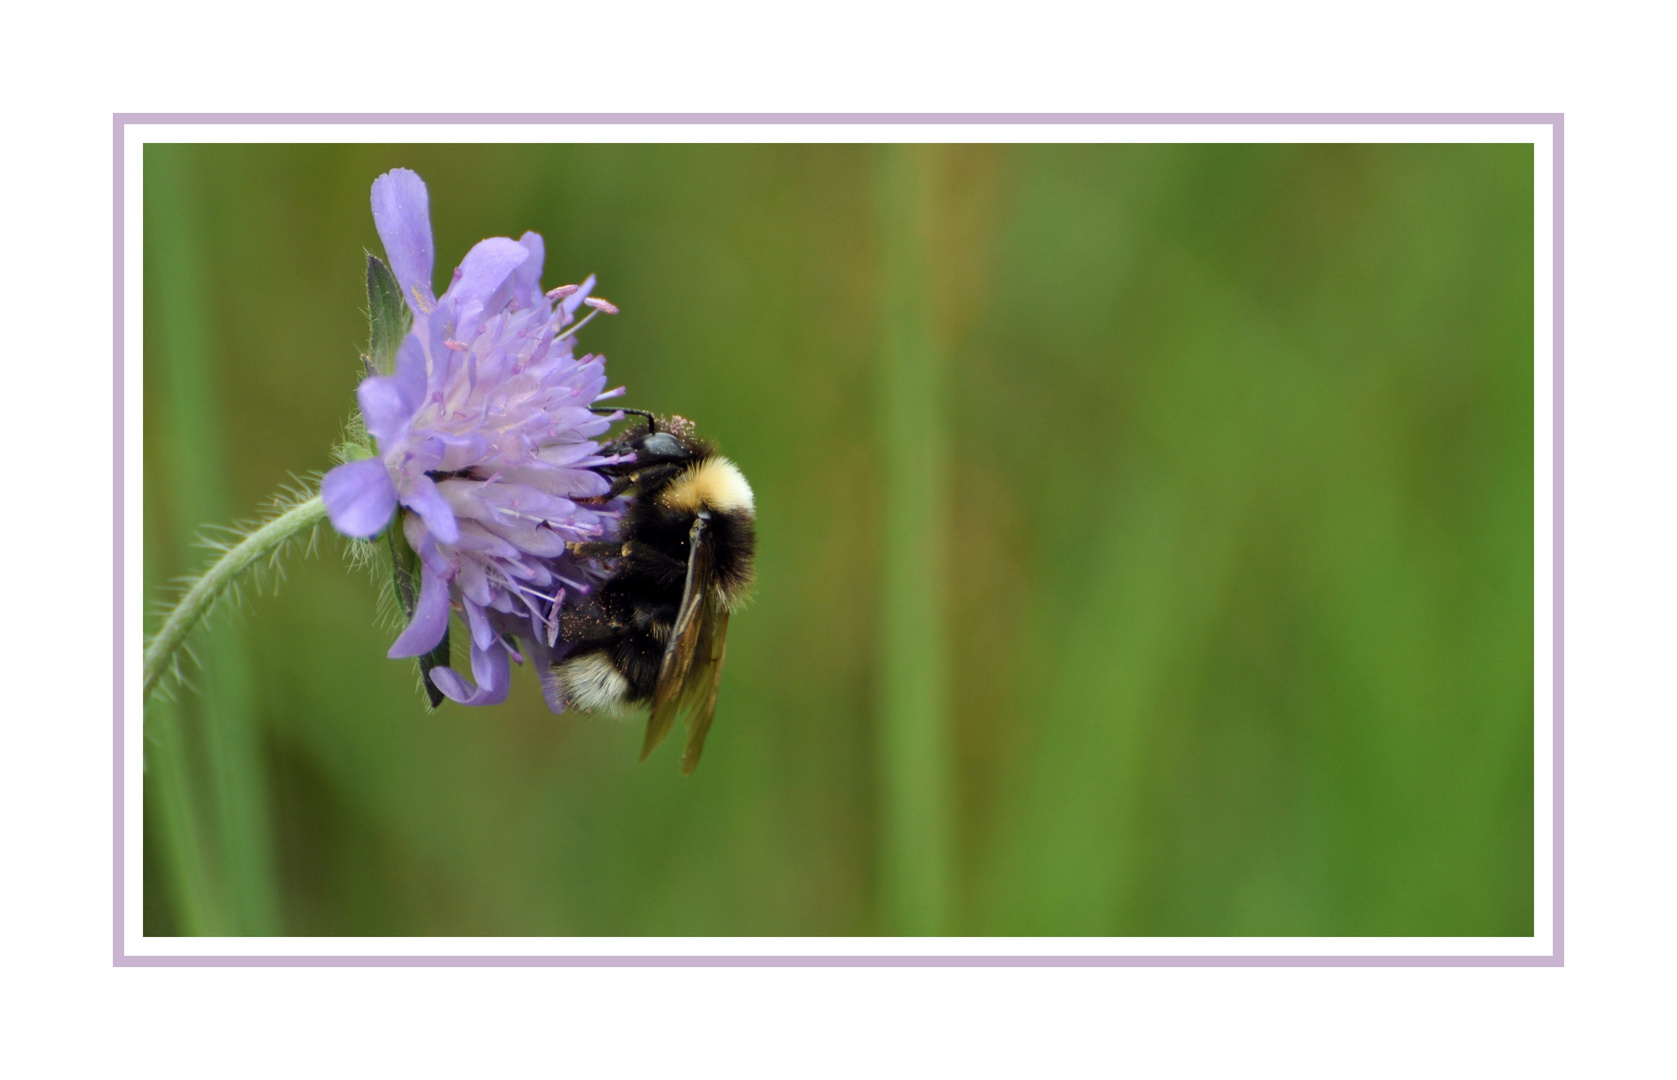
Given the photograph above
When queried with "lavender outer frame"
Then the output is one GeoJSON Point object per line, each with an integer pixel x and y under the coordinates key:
{"type": "Point", "coordinates": [1556, 121]}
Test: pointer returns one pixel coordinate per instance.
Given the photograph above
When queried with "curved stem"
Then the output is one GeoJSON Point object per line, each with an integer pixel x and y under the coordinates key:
{"type": "Point", "coordinates": [210, 586]}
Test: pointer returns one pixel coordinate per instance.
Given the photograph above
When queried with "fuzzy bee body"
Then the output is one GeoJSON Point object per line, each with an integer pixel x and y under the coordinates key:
{"type": "Point", "coordinates": [654, 632]}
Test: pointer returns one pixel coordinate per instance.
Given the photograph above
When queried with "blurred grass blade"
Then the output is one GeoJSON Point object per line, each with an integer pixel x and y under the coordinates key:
{"type": "Point", "coordinates": [197, 495]}
{"type": "Point", "coordinates": [175, 904]}
{"type": "Point", "coordinates": [916, 843]}
{"type": "Point", "coordinates": [176, 827]}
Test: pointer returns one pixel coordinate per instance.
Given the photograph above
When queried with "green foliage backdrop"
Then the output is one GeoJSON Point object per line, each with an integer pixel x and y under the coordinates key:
{"type": "Point", "coordinates": [1146, 544]}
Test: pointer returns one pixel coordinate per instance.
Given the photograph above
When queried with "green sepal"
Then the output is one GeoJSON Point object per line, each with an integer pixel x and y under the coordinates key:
{"type": "Point", "coordinates": [404, 580]}
{"type": "Point", "coordinates": [436, 658]}
{"type": "Point", "coordinates": [356, 444]}
{"type": "Point", "coordinates": [388, 317]}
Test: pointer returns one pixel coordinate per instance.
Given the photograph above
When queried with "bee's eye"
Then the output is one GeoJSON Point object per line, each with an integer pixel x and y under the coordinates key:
{"type": "Point", "coordinates": [663, 444]}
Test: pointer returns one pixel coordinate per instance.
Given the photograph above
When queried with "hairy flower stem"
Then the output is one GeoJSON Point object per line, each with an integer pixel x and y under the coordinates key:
{"type": "Point", "coordinates": [264, 542]}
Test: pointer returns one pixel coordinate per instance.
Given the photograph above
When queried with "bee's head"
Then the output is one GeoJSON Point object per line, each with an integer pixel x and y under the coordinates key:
{"type": "Point", "coordinates": [659, 446]}
{"type": "Point", "coordinates": [671, 441]}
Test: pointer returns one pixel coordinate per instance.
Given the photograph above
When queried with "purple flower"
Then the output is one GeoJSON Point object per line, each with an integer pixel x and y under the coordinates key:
{"type": "Point", "coordinates": [486, 441]}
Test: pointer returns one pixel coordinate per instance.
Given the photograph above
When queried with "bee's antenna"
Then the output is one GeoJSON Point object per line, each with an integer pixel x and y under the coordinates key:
{"type": "Point", "coordinates": [651, 421]}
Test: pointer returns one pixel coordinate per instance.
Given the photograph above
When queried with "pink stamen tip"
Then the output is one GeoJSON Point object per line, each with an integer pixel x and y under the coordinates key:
{"type": "Point", "coordinates": [601, 305]}
{"type": "Point", "coordinates": [562, 291]}
{"type": "Point", "coordinates": [457, 346]}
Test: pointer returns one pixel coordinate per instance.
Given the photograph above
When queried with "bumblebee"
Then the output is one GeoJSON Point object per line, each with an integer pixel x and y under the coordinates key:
{"type": "Point", "coordinates": [654, 631]}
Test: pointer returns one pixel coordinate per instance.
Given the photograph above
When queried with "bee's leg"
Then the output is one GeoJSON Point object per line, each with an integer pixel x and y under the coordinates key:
{"type": "Point", "coordinates": [631, 550]}
{"type": "Point", "coordinates": [647, 477]}
{"type": "Point", "coordinates": [651, 421]}
{"type": "Point", "coordinates": [647, 555]}
{"type": "Point", "coordinates": [618, 487]}
{"type": "Point", "coordinates": [589, 628]}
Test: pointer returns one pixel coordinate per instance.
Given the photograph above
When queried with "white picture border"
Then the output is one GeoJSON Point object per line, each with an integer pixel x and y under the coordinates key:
{"type": "Point", "coordinates": [134, 946]}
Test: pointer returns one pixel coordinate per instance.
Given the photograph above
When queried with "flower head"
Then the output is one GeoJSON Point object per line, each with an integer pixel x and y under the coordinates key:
{"type": "Point", "coordinates": [485, 441]}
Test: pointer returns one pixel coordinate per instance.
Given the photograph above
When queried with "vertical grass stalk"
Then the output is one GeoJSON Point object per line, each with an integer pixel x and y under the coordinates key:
{"type": "Point", "coordinates": [230, 803]}
{"type": "Point", "coordinates": [916, 843]}
{"type": "Point", "coordinates": [176, 828]}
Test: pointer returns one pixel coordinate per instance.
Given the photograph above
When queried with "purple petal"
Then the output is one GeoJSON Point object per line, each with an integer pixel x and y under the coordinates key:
{"type": "Point", "coordinates": [528, 539]}
{"type": "Point", "coordinates": [477, 542]}
{"type": "Point", "coordinates": [430, 618]}
{"type": "Point", "coordinates": [444, 360]}
{"type": "Point", "coordinates": [478, 623]}
{"type": "Point", "coordinates": [402, 213]}
{"type": "Point", "coordinates": [541, 658]}
{"type": "Point", "coordinates": [492, 671]}
{"type": "Point", "coordinates": [485, 281]}
{"type": "Point", "coordinates": [359, 497]}
{"type": "Point", "coordinates": [421, 540]}
{"type": "Point", "coordinates": [553, 691]}
{"type": "Point", "coordinates": [526, 287]}
{"type": "Point", "coordinates": [410, 372]}
{"type": "Point", "coordinates": [559, 481]}
{"type": "Point", "coordinates": [461, 451]}
{"type": "Point", "coordinates": [383, 408]}
{"type": "Point", "coordinates": [423, 498]}
{"type": "Point", "coordinates": [473, 582]}
{"type": "Point", "coordinates": [566, 453]}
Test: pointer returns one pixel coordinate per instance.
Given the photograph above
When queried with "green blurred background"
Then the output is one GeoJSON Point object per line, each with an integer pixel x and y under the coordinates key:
{"type": "Point", "coordinates": [1146, 547]}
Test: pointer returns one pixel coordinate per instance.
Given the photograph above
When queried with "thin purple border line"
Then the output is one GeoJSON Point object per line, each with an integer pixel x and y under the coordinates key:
{"type": "Point", "coordinates": [1555, 959]}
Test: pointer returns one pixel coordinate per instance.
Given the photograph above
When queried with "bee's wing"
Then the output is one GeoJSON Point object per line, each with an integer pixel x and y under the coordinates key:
{"type": "Point", "coordinates": [705, 680]}
{"type": "Point", "coordinates": [704, 659]}
{"type": "Point", "coordinates": [690, 624]}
